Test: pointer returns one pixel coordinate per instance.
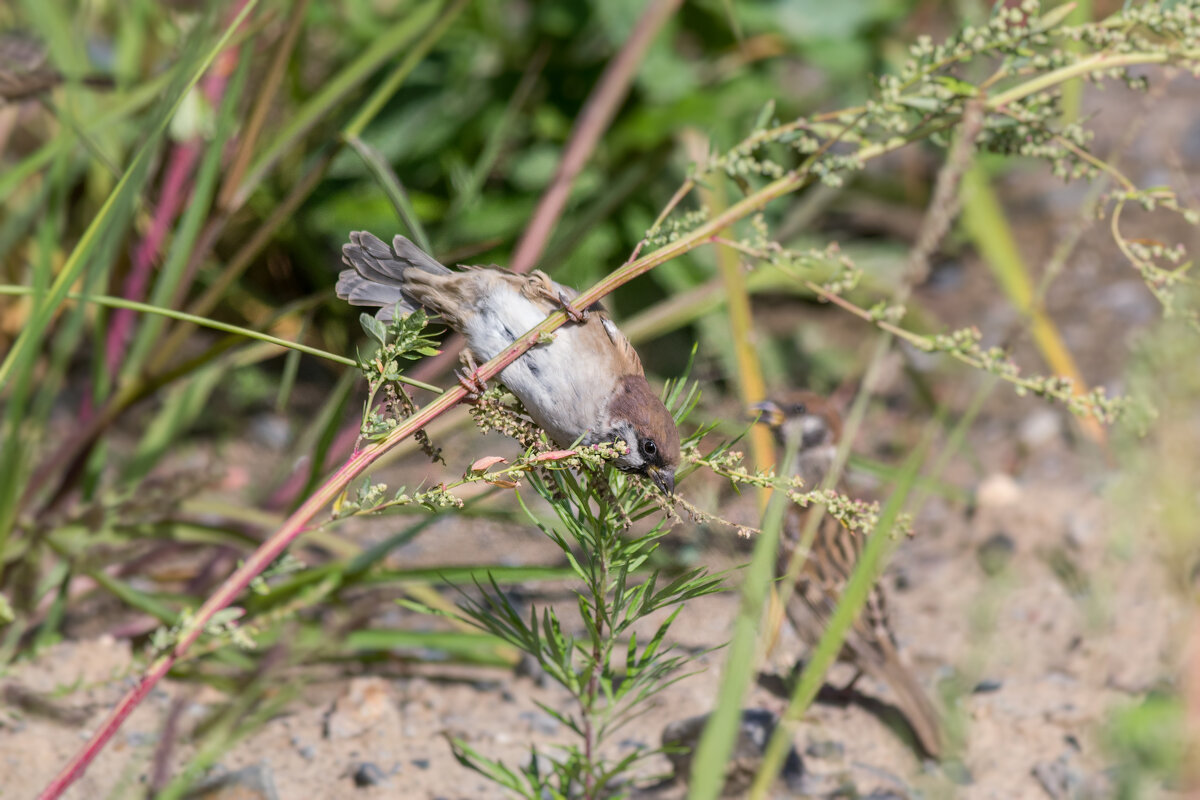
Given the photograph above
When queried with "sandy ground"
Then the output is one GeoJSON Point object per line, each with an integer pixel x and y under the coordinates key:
{"type": "Point", "coordinates": [1081, 618]}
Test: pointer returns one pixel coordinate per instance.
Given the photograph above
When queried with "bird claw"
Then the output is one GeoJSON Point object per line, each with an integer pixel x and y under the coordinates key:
{"type": "Point", "coordinates": [471, 381]}
{"type": "Point", "coordinates": [573, 313]}
{"type": "Point", "coordinates": [564, 303]}
{"type": "Point", "coordinates": [469, 378]}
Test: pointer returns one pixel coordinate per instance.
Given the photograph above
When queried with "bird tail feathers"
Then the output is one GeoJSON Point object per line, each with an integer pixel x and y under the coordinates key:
{"type": "Point", "coordinates": [377, 273]}
{"type": "Point", "coordinates": [911, 698]}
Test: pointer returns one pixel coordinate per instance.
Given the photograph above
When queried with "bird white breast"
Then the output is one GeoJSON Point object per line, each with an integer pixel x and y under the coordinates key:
{"type": "Point", "coordinates": [553, 381]}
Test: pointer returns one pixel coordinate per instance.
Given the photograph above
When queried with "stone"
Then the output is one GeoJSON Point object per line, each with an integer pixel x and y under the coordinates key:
{"type": "Point", "coordinates": [995, 553]}
{"type": "Point", "coordinates": [366, 703]}
{"type": "Point", "coordinates": [368, 774]}
{"type": "Point", "coordinates": [755, 731]}
{"type": "Point", "coordinates": [255, 782]}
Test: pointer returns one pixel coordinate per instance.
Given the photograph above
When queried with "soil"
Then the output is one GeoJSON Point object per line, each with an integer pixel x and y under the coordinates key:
{"type": "Point", "coordinates": [1032, 587]}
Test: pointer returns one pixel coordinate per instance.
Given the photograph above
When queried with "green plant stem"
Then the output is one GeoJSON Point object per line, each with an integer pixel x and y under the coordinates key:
{"type": "Point", "coordinates": [249, 333]}
{"type": "Point", "coordinates": [592, 692]}
{"type": "Point", "coordinates": [717, 741]}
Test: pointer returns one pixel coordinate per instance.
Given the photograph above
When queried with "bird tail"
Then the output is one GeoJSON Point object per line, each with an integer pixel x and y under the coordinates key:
{"type": "Point", "coordinates": [911, 698]}
{"type": "Point", "coordinates": [377, 273]}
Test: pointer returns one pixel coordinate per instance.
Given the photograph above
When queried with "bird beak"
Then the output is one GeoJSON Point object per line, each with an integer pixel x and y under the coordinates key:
{"type": "Point", "coordinates": [664, 479]}
{"type": "Point", "coordinates": [767, 413]}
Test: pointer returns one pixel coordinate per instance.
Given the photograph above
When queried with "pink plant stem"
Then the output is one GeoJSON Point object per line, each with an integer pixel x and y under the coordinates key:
{"type": "Point", "coordinates": [175, 185]}
{"type": "Point", "coordinates": [591, 124]}
{"type": "Point", "coordinates": [176, 188]}
{"type": "Point", "coordinates": [294, 484]}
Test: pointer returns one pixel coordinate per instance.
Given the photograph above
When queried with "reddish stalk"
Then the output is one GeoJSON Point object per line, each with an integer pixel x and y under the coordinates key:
{"type": "Point", "coordinates": [176, 188]}
{"type": "Point", "coordinates": [176, 184]}
{"type": "Point", "coordinates": [593, 121]}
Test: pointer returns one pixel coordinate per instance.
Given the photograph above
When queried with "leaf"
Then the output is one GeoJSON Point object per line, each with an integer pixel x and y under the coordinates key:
{"type": "Point", "coordinates": [960, 88]}
{"type": "Point", "coordinates": [553, 455]}
{"type": "Point", "coordinates": [484, 463]}
{"type": "Point", "coordinates": [764, 116]}
{"type": "Point", "coordinates": [373, 328]}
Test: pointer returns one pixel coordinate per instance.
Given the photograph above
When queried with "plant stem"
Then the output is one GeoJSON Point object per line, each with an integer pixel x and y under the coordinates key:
{"type": "Point", "coordinates": [599, 659]}
{"type": "Point", "coordinates": [593, 121]}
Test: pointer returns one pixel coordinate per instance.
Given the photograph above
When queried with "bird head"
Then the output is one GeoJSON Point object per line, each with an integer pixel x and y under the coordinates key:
{"type": "Point", "coordinates": [638, 416]}
{"type": "Point", "coordinates": [805, 415]}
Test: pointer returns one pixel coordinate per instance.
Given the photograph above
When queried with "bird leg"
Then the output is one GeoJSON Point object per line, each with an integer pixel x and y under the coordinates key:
{"type": "Point", "coordinates": [469, 378]}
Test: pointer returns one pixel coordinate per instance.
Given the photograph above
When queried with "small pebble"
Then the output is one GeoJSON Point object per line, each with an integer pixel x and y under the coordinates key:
{"type": "Point", "coordinates": [987, 686]}
{"type": "Point", "coordinates": [825, 749]}
{"type": "Point", "coordinates": [995, 553]}
{"type": "Point", "coordinates": [540, 721]}
{"type": "Point", "coordinates": [369, 774]}
{"type": "Point", "coordinates": [997, 491]}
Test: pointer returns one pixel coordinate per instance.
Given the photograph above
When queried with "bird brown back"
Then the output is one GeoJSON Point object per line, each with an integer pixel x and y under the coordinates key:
{"type": "Point", "coordinates": [870, 644]}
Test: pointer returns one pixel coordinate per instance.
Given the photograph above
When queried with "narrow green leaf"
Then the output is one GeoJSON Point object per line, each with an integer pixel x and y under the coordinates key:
{"type": "Point", "coordinates": [393, 189]}
{"type": "Point", "coordinates": [716, 743]}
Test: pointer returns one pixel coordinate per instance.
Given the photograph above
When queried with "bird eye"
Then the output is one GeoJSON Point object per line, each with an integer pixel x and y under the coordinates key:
{"type": "Point", "coordinates": [649, 447]}
{"type": "Point", "coordinates": [799, 409]}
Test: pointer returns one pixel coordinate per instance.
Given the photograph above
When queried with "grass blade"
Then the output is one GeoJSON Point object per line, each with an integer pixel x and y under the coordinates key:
{"type": "Point", "coordinates": [392, 187]}
{"type": "Point", "coordinates": [716, 743]}
{"type": "Point", "coordinates": [112, 213]}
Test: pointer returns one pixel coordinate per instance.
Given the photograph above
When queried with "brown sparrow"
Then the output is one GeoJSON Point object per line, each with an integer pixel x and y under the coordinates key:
{"type": "Point", "coordinates": [585, 386]}
{"type": "Point", "coordinates": [870, 645]}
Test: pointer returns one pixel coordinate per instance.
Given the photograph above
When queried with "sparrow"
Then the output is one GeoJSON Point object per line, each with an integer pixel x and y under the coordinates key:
{"type": "Point", "coordinates": [870, 645]}
{"type": "Point", "coordinates": [585, 386]}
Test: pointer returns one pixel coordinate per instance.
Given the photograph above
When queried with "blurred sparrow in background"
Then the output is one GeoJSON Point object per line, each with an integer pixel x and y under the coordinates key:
{"type": "Point", "coordinates": [586, 385]}
{"type": "Point", "coordinates": [870, 645]}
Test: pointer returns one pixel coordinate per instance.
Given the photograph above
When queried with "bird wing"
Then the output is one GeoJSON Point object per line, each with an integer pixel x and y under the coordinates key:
{"type": "Point", "coordinates": [550, 294]}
